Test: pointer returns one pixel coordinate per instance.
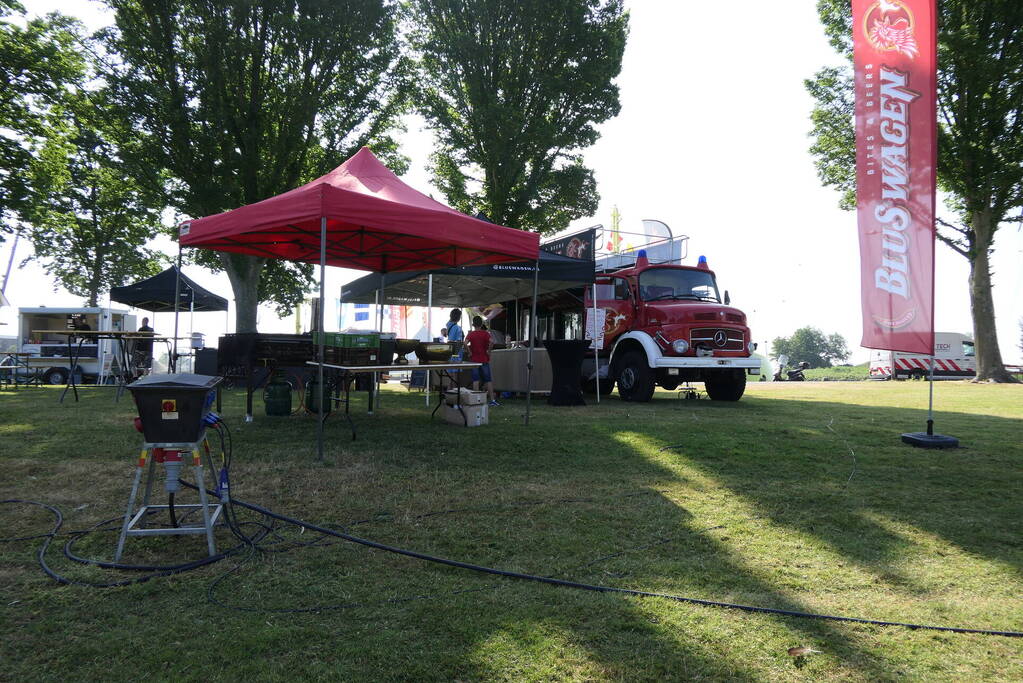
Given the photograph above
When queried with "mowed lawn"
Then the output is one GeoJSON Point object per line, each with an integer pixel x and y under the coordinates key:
{"type": "Point", "coordinates": [799, 497]}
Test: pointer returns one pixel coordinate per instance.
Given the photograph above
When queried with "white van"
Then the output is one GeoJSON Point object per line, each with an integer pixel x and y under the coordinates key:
{"type": "Point", "coordinates": [954, 358]}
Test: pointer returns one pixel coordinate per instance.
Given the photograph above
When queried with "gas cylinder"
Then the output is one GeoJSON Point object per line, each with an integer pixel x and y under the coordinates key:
{"type": "Point", "coordinates": [313, 396]}
{"type": "Point", "coordinates": [277, 396]}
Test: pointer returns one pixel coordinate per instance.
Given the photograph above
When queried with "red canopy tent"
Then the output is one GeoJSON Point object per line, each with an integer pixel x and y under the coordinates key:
{"type": "Point", "coordinates": [360, 215]}
{"type": "Point", "coordinates": [374, 222]}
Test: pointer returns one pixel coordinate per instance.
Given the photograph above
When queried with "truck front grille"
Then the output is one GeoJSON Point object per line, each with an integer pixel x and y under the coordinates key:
{"type": "Point", "coordinates": [718, 338]}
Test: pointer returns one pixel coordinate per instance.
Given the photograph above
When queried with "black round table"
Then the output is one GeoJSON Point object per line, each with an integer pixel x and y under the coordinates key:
{"type": "Point", "coordinates": [566, 357]}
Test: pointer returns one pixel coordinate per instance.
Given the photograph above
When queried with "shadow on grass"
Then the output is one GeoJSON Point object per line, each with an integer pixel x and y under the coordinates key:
{"type": "Point", "coordinates": [786, 461]}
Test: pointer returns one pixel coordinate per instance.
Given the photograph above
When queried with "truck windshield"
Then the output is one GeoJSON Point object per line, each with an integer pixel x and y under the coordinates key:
{"type": "Point", "coordinates": [659, 284]}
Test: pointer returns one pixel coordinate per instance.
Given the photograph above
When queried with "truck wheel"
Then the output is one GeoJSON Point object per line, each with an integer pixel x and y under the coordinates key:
{"type": "Point", "coordinates": [726, 385]}
{"type": "Point", "coordinates": [55, 376]}
{"type": "Point", "coordinates": [635, 378]}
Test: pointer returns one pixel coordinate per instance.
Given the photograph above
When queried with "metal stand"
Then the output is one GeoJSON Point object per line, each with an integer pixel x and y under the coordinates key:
{"type": "Point", "coordinates": [133, 522]}
{"type": "Point", "coordinates": [929, 439]}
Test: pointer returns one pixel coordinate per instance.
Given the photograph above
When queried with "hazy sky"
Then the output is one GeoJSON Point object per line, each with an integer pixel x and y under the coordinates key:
{"type": "Point", "coordinates": [712, 140]}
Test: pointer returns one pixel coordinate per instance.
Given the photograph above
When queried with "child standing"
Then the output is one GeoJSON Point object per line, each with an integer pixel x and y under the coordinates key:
{"type": "Point", "coordinates": [478, 342]}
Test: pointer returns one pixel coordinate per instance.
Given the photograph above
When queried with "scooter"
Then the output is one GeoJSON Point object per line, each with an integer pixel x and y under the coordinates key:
{"type": "Point", "coordinates": [794, 375]}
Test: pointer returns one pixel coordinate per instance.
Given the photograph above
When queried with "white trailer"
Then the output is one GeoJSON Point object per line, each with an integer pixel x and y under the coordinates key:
{"type": "Point", "coordinates": [37, 335]}
{"type": "Point", "coordinates": [953, 359]}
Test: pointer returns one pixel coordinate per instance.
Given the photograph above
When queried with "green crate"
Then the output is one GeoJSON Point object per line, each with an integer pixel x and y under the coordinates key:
{"type": "Point", "coordinates": [329, 339]}
{"type": "Point", "coordinates": [362, 341]}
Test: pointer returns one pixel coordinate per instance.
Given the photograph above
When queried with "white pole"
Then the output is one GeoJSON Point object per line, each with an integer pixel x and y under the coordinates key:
{"type": "Point", "coordinates": [429, 330]}
{"type": "Point", "coordinates": [319, 387]}
{"type": "Point", "coordinates": [191, 329]}
{"type": "Point", "coordinates": [532, 339]}
{"type": "Point", "coordinates": [383, 293]}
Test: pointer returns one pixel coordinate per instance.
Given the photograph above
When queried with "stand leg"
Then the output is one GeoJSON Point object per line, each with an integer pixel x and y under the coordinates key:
{"type": "Point", "coordinates": [131, 505]}
{"type": "Point", "coordinates": [149, 487]}
{"type": "Point", "coordinates": [204, 502]}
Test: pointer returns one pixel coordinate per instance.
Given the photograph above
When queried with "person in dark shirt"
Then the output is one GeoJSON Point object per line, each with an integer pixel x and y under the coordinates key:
{"type": "Point", "coordinates": [83, 326]}
{"type": "Point", "coordinates": [144, 347]}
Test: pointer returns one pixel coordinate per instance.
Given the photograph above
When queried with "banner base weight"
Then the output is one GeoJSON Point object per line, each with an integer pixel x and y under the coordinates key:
{"type": "Point", "coordinates": [925, 440]}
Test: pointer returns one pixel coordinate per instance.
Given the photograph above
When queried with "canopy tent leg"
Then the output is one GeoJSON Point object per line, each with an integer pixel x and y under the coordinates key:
{"type": "Point", "coordinates": [429, 330]}
{"type": "Point", "coordinates": [596, 348]}
{"type": "Point", "coordinates": [191, 331]}
{"type": "Point", "coordinates": [177, 295]}
{"type": "Point", "coordinates": [383, 286]}
{"type": "Point", "coordinates": [532, 339]}
{"type": "Point", "coordinates": [319, 368]}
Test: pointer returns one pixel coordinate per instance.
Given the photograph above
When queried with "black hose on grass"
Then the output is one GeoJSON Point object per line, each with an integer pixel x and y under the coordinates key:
{"type": "Point", "coordinates": [158, 571]}
{"type": "Point", "coordinates": [326, 531]}
{"type": "Point", "coordinates": [609, 589]}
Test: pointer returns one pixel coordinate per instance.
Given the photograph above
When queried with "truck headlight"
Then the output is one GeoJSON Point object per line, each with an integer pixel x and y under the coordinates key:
{"type": "Point", "coordinates": [752, 346]}
{"type": "Point", "coordinates": [680, 346]}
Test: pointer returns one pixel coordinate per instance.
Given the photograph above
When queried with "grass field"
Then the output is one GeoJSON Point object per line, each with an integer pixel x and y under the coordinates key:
{"type": "Point", "coordinates": [799, 497]}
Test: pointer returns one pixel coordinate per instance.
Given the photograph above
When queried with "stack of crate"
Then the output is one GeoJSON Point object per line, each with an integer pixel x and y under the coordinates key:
{"type": "Point", "coordinates": [351, 349]}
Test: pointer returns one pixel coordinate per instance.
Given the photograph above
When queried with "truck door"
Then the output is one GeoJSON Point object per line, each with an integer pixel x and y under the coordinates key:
{"type": "Point", "coordinates": [969, 358]}
{"type": "Point", "coordinates": [615, 298]}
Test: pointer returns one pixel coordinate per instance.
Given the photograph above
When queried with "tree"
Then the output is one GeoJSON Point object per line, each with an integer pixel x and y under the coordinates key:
{"type": "Point", "coordinates": [980, 136]}
{"type": "Point", "coordinates": [89, 218]}
{"type": "Point", "coordinates": [37, 63]}
{"type": "Point", "coordinates": [514, 89]}
{"type": "Point", "coordinates": [241, 100]}
{"type": "Point", "coordinates": [812, 346]}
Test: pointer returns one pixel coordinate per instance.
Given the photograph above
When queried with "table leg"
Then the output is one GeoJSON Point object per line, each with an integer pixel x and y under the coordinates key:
{"type": "Point", "coordinates": [248, 394]}
{"type": "Point", "coordinates": [122, 371]}
{"type": "Point", "coordinates": [371, 393]}
{"type": "Point", "coordinates": [74, 366]}
{"type": "Point", "coordinates": [348, 397]}
{"type": "Point", "coordinates": [440, 392]}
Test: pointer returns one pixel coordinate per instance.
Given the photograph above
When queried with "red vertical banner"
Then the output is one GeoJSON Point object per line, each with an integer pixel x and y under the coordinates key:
{"type": "Point", "coordinates": [895, 62]}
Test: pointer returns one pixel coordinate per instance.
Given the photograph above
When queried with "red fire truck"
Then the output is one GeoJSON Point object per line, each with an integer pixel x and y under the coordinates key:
{"type": "Point", "coordinates": [665, 324]}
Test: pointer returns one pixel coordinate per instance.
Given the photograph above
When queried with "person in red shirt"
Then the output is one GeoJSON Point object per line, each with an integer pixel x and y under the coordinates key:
{"type": "Point", "coordinates": [479, 343]}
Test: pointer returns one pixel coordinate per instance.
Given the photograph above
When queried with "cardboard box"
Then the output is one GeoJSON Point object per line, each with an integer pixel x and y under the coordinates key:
{"type": "Point", "coordinates": [468, 397]}
{"type": "Point", "coordinates": [475, 416]}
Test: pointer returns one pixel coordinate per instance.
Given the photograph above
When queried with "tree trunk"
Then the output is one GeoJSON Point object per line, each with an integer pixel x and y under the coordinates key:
{"type": "Point", "coordinates": [94, 281]}
{"type": "Point", "coordinates": [244, 273]}
{"type": "Point", "coordinates": [985, 334]}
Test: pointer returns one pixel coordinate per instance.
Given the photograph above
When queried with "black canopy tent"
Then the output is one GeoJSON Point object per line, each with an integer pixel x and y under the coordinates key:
{"type": "Point", "coordinates": [470, 285]}
{"type": "Point", "coordinates": [475, 285]}
{"type": "Point", "coordinates": [169, 292]}
{"type": "Point", "coordinates": [157, 294]}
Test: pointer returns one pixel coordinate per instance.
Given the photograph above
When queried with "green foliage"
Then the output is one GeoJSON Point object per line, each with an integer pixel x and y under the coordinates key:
{"type": "Point", "coordinates": [37, 64]}
{"type": "Point", "coordinates": [980, 134]}
{"type": "Point", "coordinates": [839, 373]}
{"type": "Point", "coordinates": [90, 218]}
{"type": "Point", "coordinates": [239, 101]}
{"type": "Point", "coordinates": [514, 89]}
{"type": "Point", "coordinates": [810, 345]}
{"type": "Point", "coordinates": [980, 117]}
